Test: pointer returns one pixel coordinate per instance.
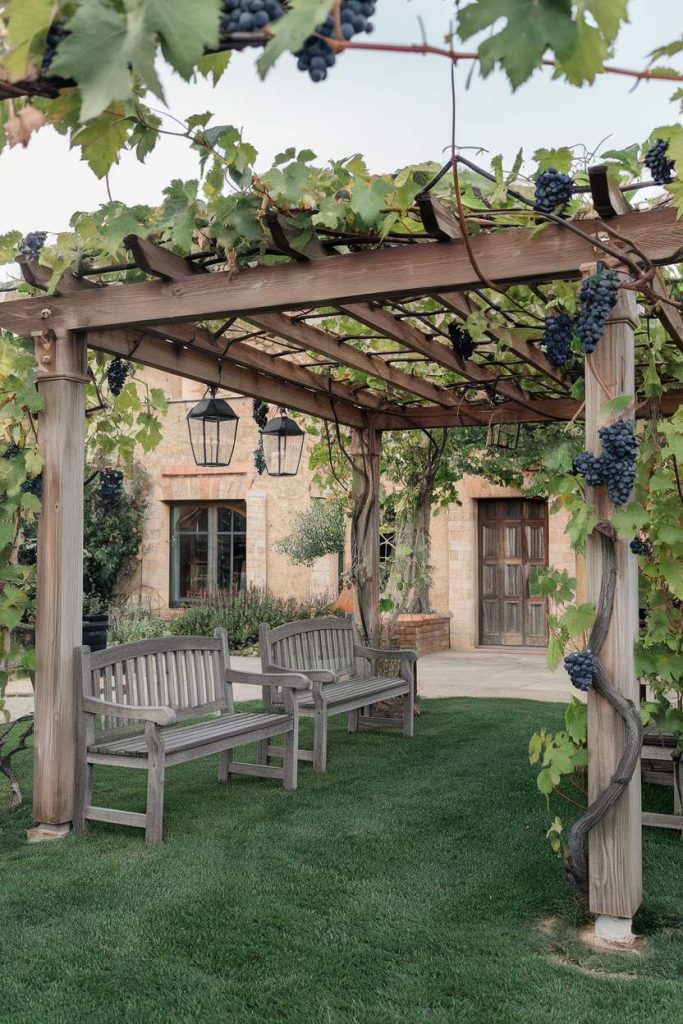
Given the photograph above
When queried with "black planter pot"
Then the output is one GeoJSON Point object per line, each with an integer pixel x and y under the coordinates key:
{"type": "Point", "coordinates": [95, 631]}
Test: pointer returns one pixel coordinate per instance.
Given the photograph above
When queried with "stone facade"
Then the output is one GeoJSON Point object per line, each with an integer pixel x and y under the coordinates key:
{"type": "Point", "coordinates": [271, 505]}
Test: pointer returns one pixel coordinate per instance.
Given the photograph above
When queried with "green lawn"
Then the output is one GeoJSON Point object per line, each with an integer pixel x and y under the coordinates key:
{"type": "Point", "coordinates": [406, 885]}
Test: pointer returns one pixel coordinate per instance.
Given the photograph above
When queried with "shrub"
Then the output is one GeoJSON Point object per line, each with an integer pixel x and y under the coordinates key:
{"type": "Point", "coordinates": [240, 614]}
{"type": "Point", "coordinates": [317, 532]}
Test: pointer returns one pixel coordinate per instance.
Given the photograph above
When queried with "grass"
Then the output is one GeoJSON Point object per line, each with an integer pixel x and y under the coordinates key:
{"type": "Point", "coordinates": [409, 884]}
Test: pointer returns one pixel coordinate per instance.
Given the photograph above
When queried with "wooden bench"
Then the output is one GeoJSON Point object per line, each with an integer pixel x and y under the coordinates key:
{"type": "Point", "coordinates": [135, 698]}
{"type": "Point", "coordinates": [343, 674]}
{"type": "Point", "coordinates": [661, 765]}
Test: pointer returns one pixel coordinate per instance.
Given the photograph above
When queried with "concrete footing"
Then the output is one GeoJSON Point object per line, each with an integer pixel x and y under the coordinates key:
{"type": "Point", "coordinates": [41, 833]}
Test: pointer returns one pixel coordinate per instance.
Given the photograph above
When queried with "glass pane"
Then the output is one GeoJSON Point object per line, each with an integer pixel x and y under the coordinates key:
{"type": "Point", "coordinates": [513, 510]}
{"type": "Point", "coordinates": [535, 539]}
{"type": "Point", "coordinates": [192, 520]}
{"type": "Point", "coordinates": [512, 542]}
{"type": "Point", "coordinates": [193, 564]}
{"type": "Point", "coordinates": [229, 520]}
{"type": "Point", "coordinates": [231, 573]}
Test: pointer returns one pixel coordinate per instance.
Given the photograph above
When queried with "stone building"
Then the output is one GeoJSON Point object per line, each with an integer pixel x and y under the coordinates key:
{"type": "Point", "coordinates": [220, 527]}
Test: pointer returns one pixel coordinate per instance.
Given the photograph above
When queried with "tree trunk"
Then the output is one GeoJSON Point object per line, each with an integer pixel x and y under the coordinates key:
{"type": "Point", "coordinates": [409, 580]}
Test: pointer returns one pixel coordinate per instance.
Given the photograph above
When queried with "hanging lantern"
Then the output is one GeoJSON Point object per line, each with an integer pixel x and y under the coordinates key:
{"type": "Point", "coordinates": [503, 435]}
{"type": "Point", "coordinates": [283, 443]}
{"type": "Point", "coordinates": [212, 424]}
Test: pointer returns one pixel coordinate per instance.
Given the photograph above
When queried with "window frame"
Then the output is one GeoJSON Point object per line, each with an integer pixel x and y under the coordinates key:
{"type": "Point", "coordinates": [178, 509]}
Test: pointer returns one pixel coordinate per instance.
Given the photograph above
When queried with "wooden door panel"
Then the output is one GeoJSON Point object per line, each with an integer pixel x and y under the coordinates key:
{"type": "Point", "coordinates": [512, 538]}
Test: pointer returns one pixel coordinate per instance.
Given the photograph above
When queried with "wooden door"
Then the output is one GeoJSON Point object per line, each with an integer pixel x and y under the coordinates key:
{"type": "Point", "coordinates": [513, 537]}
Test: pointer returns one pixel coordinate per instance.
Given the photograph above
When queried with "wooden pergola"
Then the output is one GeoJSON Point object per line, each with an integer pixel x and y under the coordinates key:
{"type": "Point", "coordinates": [274, 343]}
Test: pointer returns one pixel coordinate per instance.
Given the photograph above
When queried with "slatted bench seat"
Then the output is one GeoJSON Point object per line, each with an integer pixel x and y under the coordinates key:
{"type": "Point", "coordinates": [133, 697]}
{"type": "Point", "coordinates": [343, 675]}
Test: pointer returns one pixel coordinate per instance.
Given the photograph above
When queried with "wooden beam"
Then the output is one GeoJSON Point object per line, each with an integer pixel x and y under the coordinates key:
{"type": "Point", "coordinates": [61, 379]}
{"type": "Point", "coordinates": [615, 858]}
{"type": "Point", "coordinates": [512, 256]}
{"type": "Point", "coordinates": [668, 315]}
{"type": "Point", "coordinates": [155, 260]}
{"type": "Point", "coordinates": [437, 218]}
{"type": "Point", "coordinates": [198, 365]}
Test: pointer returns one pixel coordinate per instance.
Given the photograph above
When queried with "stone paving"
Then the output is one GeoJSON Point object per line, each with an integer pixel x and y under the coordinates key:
{"type": "Point", "coordinates": [480, 673]}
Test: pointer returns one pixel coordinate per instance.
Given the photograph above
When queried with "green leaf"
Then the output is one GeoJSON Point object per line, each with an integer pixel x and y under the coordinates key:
{"type": "Point", "coordinates": [561, 158]}
{"type": "Point", "coordinates": [576, 720]}
{"type": "Point", "coordinates": [535, 747]}
{"type": "Point", "coordinates": [103, 47]}
{"type": "Point", "coordinates": [544, 781]}
{"type": "Point", "coordinates": [291, 32]}
{"type": "Point", "coordinates": [368, 200]}
{"type": "Point", "coordinates": [616, 405]}
{"type": "Point", "coordinates": [214, 65]}
{"type": "Point", "coordinates": [102, 140]}
{"type": "Point", "coordinates": [26, 20]}
{"type": "Point", "coordinates": [186, 28]}
{"type": "Point", "coordinates": [531, 28]}
{"type": "Point", "coordinates": [8, 246]}
{"type": "Point", "coordinates": [578, 619]}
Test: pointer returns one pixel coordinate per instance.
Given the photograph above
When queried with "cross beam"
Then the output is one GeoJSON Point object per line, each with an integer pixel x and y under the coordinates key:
{"type": "Point", "coordinates": [513, 256]}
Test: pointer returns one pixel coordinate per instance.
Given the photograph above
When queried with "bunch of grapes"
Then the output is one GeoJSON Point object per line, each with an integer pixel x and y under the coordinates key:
{"type": "Point", "coordinates": [620, 448]}
{"type": "Point", "coordinates": [598, 295]}
{"type": "Point", "coordinates": [640, 546]}
{"type": "Point", "coordinates": [553, 191]}
{"type": "Point", "coordinates": [34, 486]}
{"type": "Point", "coordinates": [591, 468]}
{"type": "Point", "coordinates": [111, 486]}
{"type": "Point", "coordinates": [461, 340]}
{"type": "Point", "coordinates": [248, 15]}
{"type": "Point", "coordinates": [32, 243]}
{"type": "Point", "coordinates": [57, 32]}
{"type": "Point", "coordinates": [557, 338]}
{"type": "Point", "coordinates": [580, 667]}
{"type": "Point", "coordinates": [658, 162]}
{"type": "Point", "coordinates": [260, 412]}
{"type": "Point", "coordinates": [117, 373]}
{"type": "Point", "coordinates": [11, 451]}
{"type": "Point", "coordinates": [316, 56]}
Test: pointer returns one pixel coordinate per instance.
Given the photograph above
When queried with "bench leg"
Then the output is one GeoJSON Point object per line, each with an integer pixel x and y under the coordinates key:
{"type": "Point", "coordinates": [224, 759]}
{"type": "Point", "coordinates": [291, 755]}
{"type": "Point", "coordinates": [353, 721]}
{"type": "Point", "coordinates": [409, 712]}
{"type": "Point", "coordinates": [154, 824]}
{"type": "Point", "coordinates": [83, 797]}
{"type": "Point", "coordinates": [320, 740]}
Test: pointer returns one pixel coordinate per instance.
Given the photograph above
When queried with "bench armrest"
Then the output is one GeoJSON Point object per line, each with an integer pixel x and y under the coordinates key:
{"type": "Point", "coordinates": [159, 714]}
{"type": "Point", "coordinates": [291, 680]}
{"type": "Point", "coordinates": [317, 675]}
{"type": "Point", "coordinates": [401, 654]}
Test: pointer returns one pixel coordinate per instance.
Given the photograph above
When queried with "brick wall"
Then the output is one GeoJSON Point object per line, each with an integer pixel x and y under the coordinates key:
{"type": "Point", "coordinates": [425, 634]}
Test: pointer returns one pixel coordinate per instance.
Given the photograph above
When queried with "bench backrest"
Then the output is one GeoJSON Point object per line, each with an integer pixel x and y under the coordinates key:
{"type": "Point", "coordinates": [309, 643]}
{"type": "Point", "coordinates": [186, 673]}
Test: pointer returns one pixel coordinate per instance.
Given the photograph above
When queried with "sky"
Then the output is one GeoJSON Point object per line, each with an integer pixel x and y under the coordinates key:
{"type": "Point", "coordinates": [395, 109]}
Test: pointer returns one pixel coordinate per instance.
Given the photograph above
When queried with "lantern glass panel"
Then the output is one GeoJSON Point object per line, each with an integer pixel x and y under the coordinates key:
{"type": "Point", "coordinates": [212, 425]}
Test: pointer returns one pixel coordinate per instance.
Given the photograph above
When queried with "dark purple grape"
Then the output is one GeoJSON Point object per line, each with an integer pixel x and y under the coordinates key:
{"type": "Point", "coordinates": [580, 667]}
{"type": "Point", "coordinates": [598, 296]}
{"type": "Point", "coordinates": [553, 191]}
{"type": "Point", "coordinates": [658, 163]}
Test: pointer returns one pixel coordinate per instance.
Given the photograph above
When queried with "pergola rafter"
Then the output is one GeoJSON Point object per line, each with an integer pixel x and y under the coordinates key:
{"type": "Point", "coordinates": [168, 323]}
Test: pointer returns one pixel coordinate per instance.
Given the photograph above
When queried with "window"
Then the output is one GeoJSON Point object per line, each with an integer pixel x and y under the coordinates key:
{"type": "Point", "coordinates": [208, 550]}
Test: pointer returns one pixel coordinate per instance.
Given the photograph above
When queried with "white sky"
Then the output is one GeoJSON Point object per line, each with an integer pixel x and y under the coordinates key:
{"type": "Point", "coordinates": [395, 109]}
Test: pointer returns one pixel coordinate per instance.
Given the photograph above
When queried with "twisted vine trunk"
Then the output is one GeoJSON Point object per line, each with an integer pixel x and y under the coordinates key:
{"type": "Point", "coordinates": [365, 530]}
{"type": "Point", "coordinates": [576, 863]}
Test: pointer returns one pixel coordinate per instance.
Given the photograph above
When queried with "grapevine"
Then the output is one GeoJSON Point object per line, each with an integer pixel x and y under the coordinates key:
{"type": "Point", "coordinates": [598, 297]}
{"type": "Point", "coordinates": [248, 15]}
{"type": "Point", "coordinates": [117, 372]}
{"type": "Point", "coordinates": [580, 667]}
{"type": "Point", "coordinates": [111, 486]}
{"type": "Point", "coordinates": [260, 414]}
{"type": "Point", "coordinates": [32, 244]}
{"type": "Point", "coordinates": [461, 340]}
{"type": "Point", "coordinates": [553, 191]}
{"type": "Point", "coordinates": [659, 165]}
{"type": "Point", "coordinates": [557, 338]}
{"type": "Point", "coordinates": [316, 56]}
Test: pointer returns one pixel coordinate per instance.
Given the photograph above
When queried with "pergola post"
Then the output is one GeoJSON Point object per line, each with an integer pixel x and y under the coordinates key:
{"type": "Point", "coordinates": [614, 852]}
{"type": "Point", "coordinates": [61, 378]}
{"type": "Point", "coordinates": [365, 452]}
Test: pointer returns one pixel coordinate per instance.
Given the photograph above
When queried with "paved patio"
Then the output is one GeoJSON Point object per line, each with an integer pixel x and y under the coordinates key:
{"type": "Point", "coordinates": [481, 673]}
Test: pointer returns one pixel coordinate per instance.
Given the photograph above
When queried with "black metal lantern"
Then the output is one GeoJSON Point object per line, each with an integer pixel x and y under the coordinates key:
{"type": "Point", "coordinates": [503, 435]}
{"type": "Point", "coordinates": [212, 424]}
{"type": "Point", "coordinates": [283, 443]}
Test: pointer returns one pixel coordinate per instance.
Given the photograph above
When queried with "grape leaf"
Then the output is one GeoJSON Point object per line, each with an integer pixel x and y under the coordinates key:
{"type": "Point", "coordinates": [104, 45]}
{"type": "Point", "coordinates": [102, 140]}
{"type": "Point", "coordinates": [25, 20]}
{"type": "Point", "coordinates": [291, 32]}
{"type": "Point", "coordinates": [532, 27]}
{"type": "Point", "coordinates": [186, 28]}
{"type": "Point", "coordinates": [367, 200]}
